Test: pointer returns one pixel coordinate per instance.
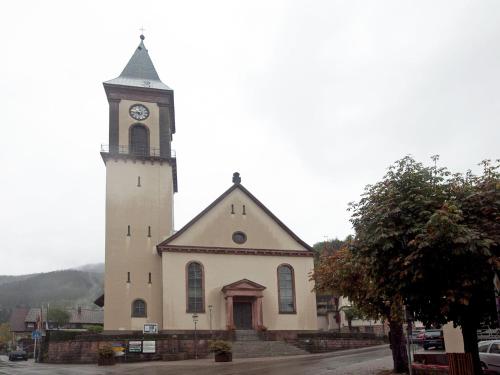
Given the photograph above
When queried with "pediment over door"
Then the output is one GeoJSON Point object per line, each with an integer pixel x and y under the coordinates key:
{"type": "Point", "coordinates": [243, 287]}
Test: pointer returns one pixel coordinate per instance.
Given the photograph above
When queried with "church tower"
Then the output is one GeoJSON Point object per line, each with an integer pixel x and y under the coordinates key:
{"type": "Point", "coordinates": [141, 180]}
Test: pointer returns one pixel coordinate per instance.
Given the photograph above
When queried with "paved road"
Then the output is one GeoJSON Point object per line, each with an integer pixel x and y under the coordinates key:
{"type": "Point", "coordinates": [349, 362]}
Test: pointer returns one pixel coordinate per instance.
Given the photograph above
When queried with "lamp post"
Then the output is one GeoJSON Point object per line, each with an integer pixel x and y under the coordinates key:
{"type": "Point", "coordinates": [195, 320]}
{"type": "Point", "coordinates": [210, 307]}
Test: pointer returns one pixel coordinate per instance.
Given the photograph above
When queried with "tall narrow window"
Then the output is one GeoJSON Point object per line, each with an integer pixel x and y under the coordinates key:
{"type": "Point", "coordinates": [286, 289]}
{"type": "Point", "coordinates": [232, 209]}
{"type": "Point", "coordinates": [195, 288]}
{"type": "Point", "coordinates": [139, 140]}
{"type": "Point", "coordinates": [139, 309]}
{"type": "Point", "coordinates": [244, 210]}
{"type": "Point", "coordinates": [149, 230]}
{"type": "Point", "coordinates": [149, 278]}
{"type": "Point", "coordinates": [128, 277]}
{"type": "Point", "coordinates": [138, 181]}
{"type": "Point", "coordinates": [128, 230]}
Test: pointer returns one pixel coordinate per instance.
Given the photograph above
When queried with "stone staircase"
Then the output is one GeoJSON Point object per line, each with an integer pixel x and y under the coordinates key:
{"type": "Point", "coordinates": [248, 345]}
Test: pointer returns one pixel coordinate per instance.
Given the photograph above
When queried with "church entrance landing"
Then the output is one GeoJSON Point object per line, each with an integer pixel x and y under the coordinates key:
{"type": "Point", "coordinates": [243, 304]}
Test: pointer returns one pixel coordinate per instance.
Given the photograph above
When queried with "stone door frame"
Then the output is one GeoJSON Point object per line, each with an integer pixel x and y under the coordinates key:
{"type": "Point", "coordinates": [247, 291]}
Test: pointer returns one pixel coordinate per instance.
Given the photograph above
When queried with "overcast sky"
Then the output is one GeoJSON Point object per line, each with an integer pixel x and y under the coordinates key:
{"type": "Point", "coordinates": [308, 100]}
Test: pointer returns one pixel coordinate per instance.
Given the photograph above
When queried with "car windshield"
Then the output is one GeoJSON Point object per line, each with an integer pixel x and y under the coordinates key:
{"type": "Point", "coordinates": [433, 333]}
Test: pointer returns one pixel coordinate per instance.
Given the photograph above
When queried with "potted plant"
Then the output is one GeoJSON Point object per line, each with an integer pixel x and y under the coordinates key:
{"type": "Point", "coordinates": [106, 355]}
{"type": "Point", "coordinates": [222, 350]}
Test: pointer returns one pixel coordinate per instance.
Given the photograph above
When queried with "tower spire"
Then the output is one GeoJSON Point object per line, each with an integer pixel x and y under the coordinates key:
{"type": "Point", "coordinates": [139, 71]}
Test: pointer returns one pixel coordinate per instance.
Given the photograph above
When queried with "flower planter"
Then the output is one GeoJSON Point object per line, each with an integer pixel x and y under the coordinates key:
{"type": "Point", "coordinates": [106, 361]}
{"type": "Point", "coordinates": [223, 357]}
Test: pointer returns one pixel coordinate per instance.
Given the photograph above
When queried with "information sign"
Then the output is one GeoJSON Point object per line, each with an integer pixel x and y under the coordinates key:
{"type": "Point", "coordinates": [135, 346]}
{"type": "Point", "coordinates": [150, 328]}
{"type": "Point", "coordinates": [149, 346]}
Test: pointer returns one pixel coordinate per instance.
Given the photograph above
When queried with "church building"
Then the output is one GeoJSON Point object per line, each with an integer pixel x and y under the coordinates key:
{"type": "Point", "coordinates": [233, 266]}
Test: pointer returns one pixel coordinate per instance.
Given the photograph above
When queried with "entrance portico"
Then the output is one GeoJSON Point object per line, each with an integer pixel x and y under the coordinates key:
{"type": "Point", "coordinates": [243, 304]}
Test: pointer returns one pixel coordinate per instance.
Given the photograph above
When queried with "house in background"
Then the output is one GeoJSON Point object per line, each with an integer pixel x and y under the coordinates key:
{"type": "Point", "coordinates": [18, 326]}
{"type": "Point", "coordinates": [80, 318]}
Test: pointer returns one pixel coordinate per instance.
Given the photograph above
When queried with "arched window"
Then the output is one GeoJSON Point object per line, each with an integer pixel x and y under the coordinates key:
{"type": "Point", "coordinates": [139, 140]}
{"type": "Point", "coordinates": [139, 309]}
{"type": "Point", "coordinates": [286, 289]}
{"type": "Point", "coordinates": [195, 288]}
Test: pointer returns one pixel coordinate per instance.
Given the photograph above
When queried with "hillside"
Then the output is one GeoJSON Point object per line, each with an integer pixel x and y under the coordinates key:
{"type": "Point", "coordinates": [59, 288]}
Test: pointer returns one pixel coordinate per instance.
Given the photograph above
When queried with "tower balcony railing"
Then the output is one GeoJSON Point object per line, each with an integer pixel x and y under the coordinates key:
{"type": "Point", "coordinates": [139, 151]}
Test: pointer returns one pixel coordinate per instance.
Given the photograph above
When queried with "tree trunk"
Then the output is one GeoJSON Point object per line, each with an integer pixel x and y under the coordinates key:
{"type": "Point", "coordinates": [469, 334]}
{"type": "Point", "coordinates": [349, 324]}
{"type": "Point", "coordinates": [398, 347]}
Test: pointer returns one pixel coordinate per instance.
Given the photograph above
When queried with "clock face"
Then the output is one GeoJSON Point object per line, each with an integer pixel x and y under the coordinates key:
{"type": "Point", "coordinates": [139, 112]}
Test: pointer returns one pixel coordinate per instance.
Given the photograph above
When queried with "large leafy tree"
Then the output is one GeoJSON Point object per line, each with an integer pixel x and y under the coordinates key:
{"type": "Point", "coordinates": [431, 242]}
{"type": "Point", "coordinates": [348, 275]}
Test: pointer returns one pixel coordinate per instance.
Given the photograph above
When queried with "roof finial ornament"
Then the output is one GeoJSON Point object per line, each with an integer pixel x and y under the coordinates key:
{"type": "Point", "coordinates": [142, 29]}
{"type": "Point", "coordinates": [236, 178]}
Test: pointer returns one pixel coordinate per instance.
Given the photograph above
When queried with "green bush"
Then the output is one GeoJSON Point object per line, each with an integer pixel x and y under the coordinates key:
{"type": "Point", "coordinates": [106, 351]}
{"type": "Point", "coordinates": [219, 346]}
{"type": "Point", "coordinates": [94, 329]}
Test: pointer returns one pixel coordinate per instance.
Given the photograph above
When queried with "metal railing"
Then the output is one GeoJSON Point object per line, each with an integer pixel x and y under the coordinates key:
{"type": "Point", "coordinates": [139, 151]}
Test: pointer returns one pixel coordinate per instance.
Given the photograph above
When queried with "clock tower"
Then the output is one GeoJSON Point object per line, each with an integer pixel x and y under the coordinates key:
{"type": "Point", "coordinates": [141, 180]}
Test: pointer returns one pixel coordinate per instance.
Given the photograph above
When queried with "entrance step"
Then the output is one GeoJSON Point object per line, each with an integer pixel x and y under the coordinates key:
{"type": "Point", "coordinates": [246, 335]}
{"type": "Point", "coordinates": [255, 349]}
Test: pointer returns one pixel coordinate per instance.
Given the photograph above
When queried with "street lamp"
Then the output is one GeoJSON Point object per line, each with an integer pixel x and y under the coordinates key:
{"type": "Point", "coordinates": [195, 320]}
{"type": "Point", "coordinates": [210, 307]}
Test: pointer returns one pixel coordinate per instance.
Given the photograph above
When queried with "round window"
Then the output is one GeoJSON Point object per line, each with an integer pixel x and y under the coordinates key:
{"type": "Point", "coordinates": [239, 237]}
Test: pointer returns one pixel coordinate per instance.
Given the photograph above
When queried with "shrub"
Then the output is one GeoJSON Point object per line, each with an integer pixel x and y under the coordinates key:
{"type": "Point", "coordinates": [106, 351]}
{"type": "Point", "coordinates": [219, 346]}
{"type": "Point", "coordinates": [94, 329]}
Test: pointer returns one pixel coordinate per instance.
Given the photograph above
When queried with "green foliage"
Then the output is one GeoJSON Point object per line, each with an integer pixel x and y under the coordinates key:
{"type": "Point", "coordinates": [219, 346]}
{"type": "Point", "coordinates": [59, 316]}
{"type": "Point", "coordinates": [5, 334]}
{"type": "Point", "coordinates": [326, 248]}
{"type": "Point", "coordinates": [94, 329]}
{"type": "Point", "coordinates": [63, 335]}
{"type": "Point", "coordinates": [431, 240]}
{"type": "Point", "coordinates": [106, 351]}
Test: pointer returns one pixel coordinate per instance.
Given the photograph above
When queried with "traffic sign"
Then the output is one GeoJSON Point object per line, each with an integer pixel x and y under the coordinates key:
{"type": "Point", "coordinates": [36, 334]}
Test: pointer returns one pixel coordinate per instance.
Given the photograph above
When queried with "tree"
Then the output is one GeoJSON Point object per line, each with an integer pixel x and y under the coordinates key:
{"type": "Point", "coordinates": [327, 247]}
{"type": "Point", "coordinates": [348, 275]}
{"type": "Point", "coordinates": [58, 315]}
{"type": "Point", "coordinates": [5, 335]}
{"type": "Point", "coordinates": [431, 241]}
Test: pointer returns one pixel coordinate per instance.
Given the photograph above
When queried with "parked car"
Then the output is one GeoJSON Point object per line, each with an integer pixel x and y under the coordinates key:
{"type": "Point", "coordinates": [489, 354]}
{"type": "Point", "coordinates": [18, 355]}
{"type": "Point", "coordinates": [417, 336]}
{"type": "Point", "coordinates": [433, 338]}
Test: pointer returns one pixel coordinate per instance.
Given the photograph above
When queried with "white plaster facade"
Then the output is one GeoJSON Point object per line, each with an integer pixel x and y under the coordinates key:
{"type": "Point", "coordinates": [146, 261]}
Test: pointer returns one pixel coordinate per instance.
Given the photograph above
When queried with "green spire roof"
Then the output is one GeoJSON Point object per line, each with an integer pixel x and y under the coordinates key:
{"type": "Point", "coordinates": [139, 71]}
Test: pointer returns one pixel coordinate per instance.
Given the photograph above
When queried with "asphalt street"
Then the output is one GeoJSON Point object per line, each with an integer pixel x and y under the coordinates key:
{"type": "Point", "coordinates": [366, 361]}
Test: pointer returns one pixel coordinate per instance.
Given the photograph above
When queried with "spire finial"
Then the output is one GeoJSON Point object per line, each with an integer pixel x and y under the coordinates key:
{"type": "Point", "coordinates": [236, 178]}
{"type": "Point", "coordinates": [142, 29]}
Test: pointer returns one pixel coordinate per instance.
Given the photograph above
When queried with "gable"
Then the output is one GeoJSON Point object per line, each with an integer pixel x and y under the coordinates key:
{"type": "Point", "coordinates": [237, 211]}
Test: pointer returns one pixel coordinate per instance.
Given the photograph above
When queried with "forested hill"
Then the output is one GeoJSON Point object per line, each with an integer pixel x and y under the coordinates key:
{"type": "Point", "coordinates": [66, 288]}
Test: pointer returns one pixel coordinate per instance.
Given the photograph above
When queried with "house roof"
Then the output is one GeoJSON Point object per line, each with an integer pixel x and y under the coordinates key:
{"type": "Point", "coordinates": [139, 71]}
{"type": "Point", "coordinates": [236, 185]}
{"type": "Point", "coordinates": [17, 319]}
{"type": "Point", "coordinates": [84, 316]}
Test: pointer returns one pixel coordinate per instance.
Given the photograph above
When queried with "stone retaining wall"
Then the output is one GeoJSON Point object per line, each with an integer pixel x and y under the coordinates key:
{"type": "Point", "coordinates": [61, 347]}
